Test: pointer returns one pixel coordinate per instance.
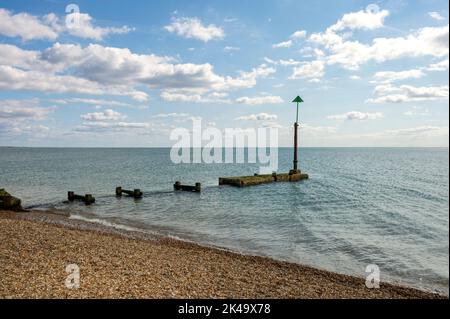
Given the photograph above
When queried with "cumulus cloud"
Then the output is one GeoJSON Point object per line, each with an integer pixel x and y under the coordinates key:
{"type": "Point", "coordinates": [193, 28]}
{"type": "Point", "coordinates": [298, 34]}
{"type": "Point", "coordinates": [314, 69]}
{"type": "Point", "coordinates": [269, 99]}
{"type": "Point", "coordinates": [107, 115]}
{"type": "Point", "coordinates": [50, 26]}
{"type": "Point", "coordinates": [175, 96]}
{"type": "Point", "coordinates": [363, 19]}
{"type": "Point", "coordinates": [19, 117]}
{"type": "Point", "coordinates": [355, 115]}
{"type": "Point", "coordinates": [351, 54]}
{"type": "Point", "coordinates": [258, 117]}
{"type": "Point", "coordinates": [288, 62]}
{"type": "Point", "coordinates": [87, 30]}
{"type": "Point", "coordinates": [436, 15]}
{"type": "Point", "coordinates": [96, 69]}
{"type": "Point", "coordinates": [16, 79]}
{"type": "Point", "coordinates": [25, 26]}
{"type": "Point", "coordinates": [440, 66]}
{"type": "Point", "coordinates": [338, 49]}
{"type": "Point", "coordinates": [23, 109]}
{"type": "Point", "coordinates": [288, 43]}
{"type": "Point", "coordinates": [390, 76]}
{"type": "Point", "coordinates": [388, 93]}
{"type": "Point", "coordinates": [284, 44]}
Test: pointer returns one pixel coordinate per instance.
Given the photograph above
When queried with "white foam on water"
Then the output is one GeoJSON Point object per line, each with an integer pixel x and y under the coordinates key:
{"type": "Point", "coordinates": [109, 224]}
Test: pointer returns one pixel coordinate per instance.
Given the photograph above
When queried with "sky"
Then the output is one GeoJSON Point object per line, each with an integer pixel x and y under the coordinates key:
{"type": "Point", "coordinates": [126, 74]}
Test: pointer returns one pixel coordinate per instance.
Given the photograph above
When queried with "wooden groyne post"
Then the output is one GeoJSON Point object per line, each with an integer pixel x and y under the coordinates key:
{"type": "Point", "coordinates": [88, 199]}
{"type": "Point", "coordinates": [188, 188]}
{"type": "Point", "coordinates": [136, 193]}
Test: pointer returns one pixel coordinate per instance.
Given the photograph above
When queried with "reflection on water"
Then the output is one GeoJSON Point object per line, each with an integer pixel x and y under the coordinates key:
{"type": "Point", "coordinates": [360, 206]}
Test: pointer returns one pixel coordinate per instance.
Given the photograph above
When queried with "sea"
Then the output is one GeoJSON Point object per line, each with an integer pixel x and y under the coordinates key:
{"type": "Point", "coordinates": [387, 207]}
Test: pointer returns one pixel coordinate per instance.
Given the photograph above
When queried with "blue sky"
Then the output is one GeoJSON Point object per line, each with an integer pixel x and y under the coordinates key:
{"type": "Point", "coordinates": [371, 73]}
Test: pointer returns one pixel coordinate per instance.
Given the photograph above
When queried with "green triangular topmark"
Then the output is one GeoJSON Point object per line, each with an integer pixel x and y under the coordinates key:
{"type": "Point", "coordinates": [298, 99]}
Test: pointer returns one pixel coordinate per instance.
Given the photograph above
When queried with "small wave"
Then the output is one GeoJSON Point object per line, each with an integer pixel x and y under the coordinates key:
{"type": "Point", "coordinates": [109, 224]}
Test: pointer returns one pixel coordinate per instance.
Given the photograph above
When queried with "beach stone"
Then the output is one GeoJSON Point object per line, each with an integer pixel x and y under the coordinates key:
{"type": "Point", "coordinates": [9, 202]}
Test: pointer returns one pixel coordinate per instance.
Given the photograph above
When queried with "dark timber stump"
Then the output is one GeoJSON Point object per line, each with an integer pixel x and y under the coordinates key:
{"type": "Point", "coordinates": [136, 193]}
{"type": "Point", "coordinates": [188, 188]}
{"type": "Point", "coordinates": [88, 199]}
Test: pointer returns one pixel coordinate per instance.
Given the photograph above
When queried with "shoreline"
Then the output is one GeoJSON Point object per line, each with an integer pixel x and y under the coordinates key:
{"type": "Point", "coordinates": [36, 246]}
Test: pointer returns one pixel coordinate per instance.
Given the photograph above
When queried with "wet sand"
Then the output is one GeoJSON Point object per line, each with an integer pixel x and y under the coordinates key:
{"type": "Point", "coordinates": [36, 247]}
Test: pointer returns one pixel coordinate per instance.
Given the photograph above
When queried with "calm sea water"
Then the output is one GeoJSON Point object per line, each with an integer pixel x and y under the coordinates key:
{"type": "Point", "coordinates": [383, 206]}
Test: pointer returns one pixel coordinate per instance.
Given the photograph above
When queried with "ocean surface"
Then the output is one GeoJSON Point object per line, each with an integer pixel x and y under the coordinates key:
{"type": "Point", "coordinates": [361, 206]}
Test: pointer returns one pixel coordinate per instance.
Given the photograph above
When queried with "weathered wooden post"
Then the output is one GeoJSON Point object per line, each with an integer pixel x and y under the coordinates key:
{"type": "Point", "coordinates": [187, 188]}
{"type": "Point", "coordinates": [137, 193]}
{"type": "Point", "coordinates": [71, 196]}
{"type": "Point", "coordinates": [89, 199]}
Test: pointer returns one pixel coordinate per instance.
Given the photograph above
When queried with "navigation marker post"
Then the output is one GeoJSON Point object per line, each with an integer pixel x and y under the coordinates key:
{"type": "Point", "coordinates": [295, 170]}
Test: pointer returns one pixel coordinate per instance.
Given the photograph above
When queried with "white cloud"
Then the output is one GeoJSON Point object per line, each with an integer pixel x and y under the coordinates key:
{"type": "Point", "coordinates": [314, 69]}
{"type": "Point", "coordinates": [171, 115]}
{"type": "Point", "coordinates": [25, 26]}
{"type": "Point", "coordinates": [231, 49]}
{"type": "Point", "coordinates": [406, 93]}
{"type": "Point", "coordinates": [288, 43]}
{"type": "Point", "coordinates": [111, 126]}
{"type": "Point", "coordinates": [436, 15]}
{"type": "Point", "coordinates": [180, 96]}
{"type": "Point", "coordinates": [107, 115]}
{"type": "Point", "coordinates": [269, 99]}
{"type": "Point", "coordinates": [29, 109]}
{"type": "Point", "coordinates": [440, 66]}
{"type": "Point", "coordinates": [363, 19]}
{"type": "Point", "coordinates": [298, 34]}
{"type": "Point", "coordinates": [87, 30]}
{"type": "Point", "coordinates": [355, 115]}
{"type": "Point", "coordinates": [107, 70]}
{"type": "Point", "coordinates": [416, 111]}
{"type": "Point", "coordinates": [313, 130]}
{"type": "Point", "coordinates": [50, 26]}
{"type": "Point", "coordinates": [428, 41]}
{"type": "Point", "coordinates": [194, 29]}
{"type": "Point", "coordinates": [288, 62]}
{"type": "Point", "coordinates": [258, 117]}
{"type": "Point", "coordinates": [284, 44]}
{"type": "Point", "coordinates": [97, 102]}
{"type": "Point", "coordinates": [390, 76]}
{"type": "Point", "coordinates": [355, 77]}
{"type": "Point", "coordinates": [17, 79]}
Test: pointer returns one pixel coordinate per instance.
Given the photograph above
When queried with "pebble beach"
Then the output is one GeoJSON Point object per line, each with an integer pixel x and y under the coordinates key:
{"type": "Point", "coordinates": [36, 247]}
